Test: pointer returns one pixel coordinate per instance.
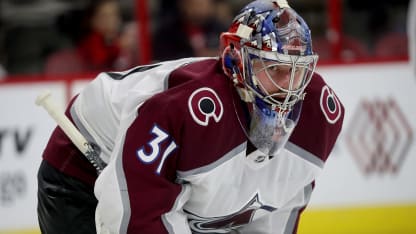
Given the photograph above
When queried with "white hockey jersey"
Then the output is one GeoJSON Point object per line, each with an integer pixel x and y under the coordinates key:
{"type": "Point", "coordinates": [180, 162]}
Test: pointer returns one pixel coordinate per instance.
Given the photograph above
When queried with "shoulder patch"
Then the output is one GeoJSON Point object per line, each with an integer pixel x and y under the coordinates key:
{"type": "Point", "coordinates": [204, 104]}
{"type": "Point", "coordinates": [330, 106]}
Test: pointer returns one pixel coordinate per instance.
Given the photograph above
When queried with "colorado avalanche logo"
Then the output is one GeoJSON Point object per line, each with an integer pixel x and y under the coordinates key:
{"type": "Point", "coordinates": [204, 104]}
{"type": "Point", "coordinates": [228, 223]}
{"type": "Point", "coordinates": [330, 105]}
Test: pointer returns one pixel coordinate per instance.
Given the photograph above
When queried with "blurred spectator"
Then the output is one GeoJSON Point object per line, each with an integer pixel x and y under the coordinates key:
{"type": "Point", "coordinates": [64, 61]}
{"type": "Point", "coordinates": [128, 42]}
{"type": "Point", "coordinates": [103, 47]}
{"type": "Point", "coordinates": [391, 45]}
{"type": "Point", "coordinates": [101, 42]}
{"type": "Point", "coordinates": [388, 40]}
{"type": "Point", "coordinates": [224, 12]}
{"type": "Point", "coordinates": [191, 29]}
{"type": "Point", "coordinates": [351, 49]}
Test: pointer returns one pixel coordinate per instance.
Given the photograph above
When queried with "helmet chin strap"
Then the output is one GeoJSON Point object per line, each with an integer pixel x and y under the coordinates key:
{"type": "Point", "coordinates": [243, 95]}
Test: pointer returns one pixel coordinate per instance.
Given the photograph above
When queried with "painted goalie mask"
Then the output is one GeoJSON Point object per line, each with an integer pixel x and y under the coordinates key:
{"type": "Point", "coordinates": [268, 53]}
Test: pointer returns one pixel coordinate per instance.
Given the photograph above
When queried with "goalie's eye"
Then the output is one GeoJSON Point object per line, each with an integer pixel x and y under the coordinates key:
{"type": "Point", "coordinates": [272, 68]}
{"type": "Point", "coordinates": [278, 70]}
{"type": "Point", "coordinates": [281, 70]}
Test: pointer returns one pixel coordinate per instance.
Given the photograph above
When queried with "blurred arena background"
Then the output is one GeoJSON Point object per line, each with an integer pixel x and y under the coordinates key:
{"type": "Point", "coordinates": [368, 185]}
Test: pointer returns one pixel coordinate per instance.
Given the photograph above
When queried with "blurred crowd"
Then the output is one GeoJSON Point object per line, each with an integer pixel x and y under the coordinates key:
{"type": "Point", "coordinates": [98, 35]}
{"type": "Point", "coordinates": [100, 41]}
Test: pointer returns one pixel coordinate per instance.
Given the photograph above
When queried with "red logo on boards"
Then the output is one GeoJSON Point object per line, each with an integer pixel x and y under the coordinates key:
{"type": "Point", "coordinates": [379, 136]}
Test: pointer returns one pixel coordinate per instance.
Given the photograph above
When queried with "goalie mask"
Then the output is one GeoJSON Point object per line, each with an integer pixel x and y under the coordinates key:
{"type": "Point", "coordinates": [268, 54]}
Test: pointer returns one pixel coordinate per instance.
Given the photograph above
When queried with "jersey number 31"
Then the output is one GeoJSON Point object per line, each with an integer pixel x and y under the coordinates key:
{"type": "Point", "coordinates": [155, 149]}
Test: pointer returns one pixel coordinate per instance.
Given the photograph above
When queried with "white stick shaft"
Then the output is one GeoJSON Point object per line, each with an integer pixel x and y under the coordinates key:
{"type": "Point", "coordinates": [63, 121]}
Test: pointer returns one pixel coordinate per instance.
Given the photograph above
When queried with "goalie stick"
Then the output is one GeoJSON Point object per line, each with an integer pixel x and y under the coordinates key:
{"type": "Point", "coordinates": [87, 149]}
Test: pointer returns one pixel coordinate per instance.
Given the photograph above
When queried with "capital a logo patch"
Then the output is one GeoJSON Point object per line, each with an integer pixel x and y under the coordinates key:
{"type": "Point", "coordinates": [330, 105]}
{"type": "Point", "coordinates": [204, 104]}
